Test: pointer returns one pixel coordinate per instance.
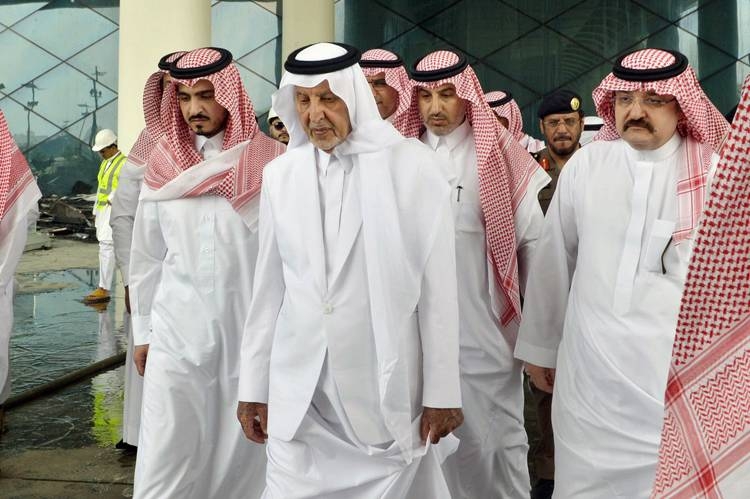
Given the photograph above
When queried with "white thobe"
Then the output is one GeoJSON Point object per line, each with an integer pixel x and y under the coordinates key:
{"type": "Point", "coordinates": [491, 458]}
{"type": "Point", "coordinates": [601, 305]}
{"type": "Point", "coordinates": [323, 363]}
{"type": "Point", "coordinates": [122, 217]}
{"type": "Point", "coordinates": [531, 144]}
{"type": "Point", "coordinates": [191, 270]}
{"type": "Point", "coordinates": [14, 228]}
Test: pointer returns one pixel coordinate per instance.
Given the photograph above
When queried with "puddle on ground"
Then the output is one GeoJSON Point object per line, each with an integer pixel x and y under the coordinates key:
{"type": "Point", "coordinates": [54, 334]}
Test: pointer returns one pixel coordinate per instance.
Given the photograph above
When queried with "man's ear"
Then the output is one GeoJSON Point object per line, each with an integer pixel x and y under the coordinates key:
{"type": "Point", "coordinates": [541, 126]}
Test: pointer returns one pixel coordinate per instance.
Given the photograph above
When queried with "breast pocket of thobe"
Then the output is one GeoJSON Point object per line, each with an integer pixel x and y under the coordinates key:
{"type": "Point", "coordinates": [467, 210]}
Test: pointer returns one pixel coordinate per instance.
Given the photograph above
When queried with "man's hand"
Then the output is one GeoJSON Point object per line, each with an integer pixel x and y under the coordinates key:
{"type": "Point", "coordinates": [542, 377]}
{"type": "Point", "coordinates": [139, 358]}
{"type": "Point", "coordinates": [438, 423]}
{"type": "Point", "coordinates": [253, 417]}
{"type": "Point", "coordinates": [127, 299]}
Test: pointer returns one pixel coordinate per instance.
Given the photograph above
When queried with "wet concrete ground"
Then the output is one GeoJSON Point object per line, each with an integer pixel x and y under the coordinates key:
{"type": "Point", "coordinates": [62, 445]}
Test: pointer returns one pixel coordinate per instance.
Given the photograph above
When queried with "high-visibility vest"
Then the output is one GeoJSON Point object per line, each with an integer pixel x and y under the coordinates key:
{"type": "Point", "coordinates": [109, 172]}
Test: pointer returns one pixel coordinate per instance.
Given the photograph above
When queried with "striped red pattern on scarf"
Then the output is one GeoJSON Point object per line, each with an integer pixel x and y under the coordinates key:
{"type": "Point", "coordinates": [152, 97]}
{"type": "Point", "coordinates": [504, 168]}
{"type": "Point", "coordinates": [396, 78]}
{"type": "Point", "coordinates": [176, 151]}
{"type": "Point", "coordinates": [706, 434]}
{"type": "Point", "coordinates": [510, 111]}
{"type": "Point", "coordinates": [703, 125]}
{"type": "Point", "coordinates": [15, 174]}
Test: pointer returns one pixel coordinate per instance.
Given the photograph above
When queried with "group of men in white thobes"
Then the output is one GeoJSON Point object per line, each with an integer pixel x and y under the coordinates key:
{"type": "Point", "coordinates": [359, 291]}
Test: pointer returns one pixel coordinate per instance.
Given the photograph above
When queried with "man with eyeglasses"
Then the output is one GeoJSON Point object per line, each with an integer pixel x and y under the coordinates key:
{"type": "Point", "coordinates": [606, 282]}
{"type": "Point", "coordinates": [561, 123]}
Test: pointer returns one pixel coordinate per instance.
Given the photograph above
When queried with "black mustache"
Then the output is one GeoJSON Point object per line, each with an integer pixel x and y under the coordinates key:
{"type": "Point", "coordinates": [198, 116]}
{"type": "Point", "coordinates": [639, 123]}
{"type": "Point", "coordinates": [563, 137]}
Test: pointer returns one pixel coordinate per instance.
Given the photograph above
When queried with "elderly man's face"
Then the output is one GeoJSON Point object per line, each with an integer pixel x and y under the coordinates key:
{"type": "Point", "coordinates": [386, 97]}
{"type": "Point", "coordinates": [278, 130]}
{"type": "Point", "coordinates": [200, 110]}
{"type": "Point", "coordinates": [646, 121]}
{"type": "Point", "coordinates": [441, 108]}
{"type": "Point", "coordinates": [323, 115]}
{"type": "Point", "coordinates": [562, 132]}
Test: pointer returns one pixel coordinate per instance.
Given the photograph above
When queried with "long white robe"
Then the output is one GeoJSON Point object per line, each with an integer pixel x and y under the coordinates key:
{"type": "Point", "coordinates": [14, 228]}
{"type": "Point", "coordinates": [491, 457]}
{"type": "Point", "coordinates": [124, 206]}
{"type": "Point", "coordinates": [310, 348]}
{"type": "Point", "coordinates": [601, 305]}
{"type": "Point", "coordinates": [191, 275]}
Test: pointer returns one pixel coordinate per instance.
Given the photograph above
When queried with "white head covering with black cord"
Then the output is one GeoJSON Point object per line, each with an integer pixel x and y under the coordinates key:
{"type": "Point", "coordinates": [394, 247]}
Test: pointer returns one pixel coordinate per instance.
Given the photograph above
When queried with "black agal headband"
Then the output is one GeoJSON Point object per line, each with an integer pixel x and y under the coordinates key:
{"type": "Point", "coordinates": [164, 63]}
{"type": "Point", "coordinates": [224, 60]}
{"type": "Point", "coordinates": [295, 66]}
{"type": "Point", "coordinates": [501, 102]}
{"type": "Point", "coordinates": [438, 74]}
{"type": "Point", "coordinates": [679, 65]}
{"type": "Point", "coordinates": [377, 63]}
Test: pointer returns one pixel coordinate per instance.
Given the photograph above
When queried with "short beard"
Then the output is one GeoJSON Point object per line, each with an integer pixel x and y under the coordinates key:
{"type": "Point", "coordinates": [565, 151]}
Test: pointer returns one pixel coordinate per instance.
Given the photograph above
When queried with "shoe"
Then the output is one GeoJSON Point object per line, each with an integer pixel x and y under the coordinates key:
{"type": "Point", "coordinates": [543, 489]}
{"type": "Point", "coordinates": [126, 447]}
{"type": "Point", "coordinates": [99, 295]}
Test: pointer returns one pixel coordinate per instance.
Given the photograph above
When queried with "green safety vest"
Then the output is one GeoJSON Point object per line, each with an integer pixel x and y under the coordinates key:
{"type": "Point", "coordinates": [108, 178]}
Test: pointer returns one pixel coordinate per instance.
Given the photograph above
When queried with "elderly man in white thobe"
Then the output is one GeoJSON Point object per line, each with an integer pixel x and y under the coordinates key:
{"type": "Point", "coordinates": [191, 270]}
{"type": "Point", "coordinates": [604, 291]}
{"type": "Point", "coordinates": [497, 220]}
{"type": "Point", "coordinates": [350, 352]}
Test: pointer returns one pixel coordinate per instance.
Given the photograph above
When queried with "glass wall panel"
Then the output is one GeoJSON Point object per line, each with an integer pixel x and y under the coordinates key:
{"type": "Point", "coordinates": [532, 47]}
{"type": "Point", "coordinates": [62, 87]}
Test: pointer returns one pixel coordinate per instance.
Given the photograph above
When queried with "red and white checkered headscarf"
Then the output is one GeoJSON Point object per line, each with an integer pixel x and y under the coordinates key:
{"type": "Point", "coordinates": [396, 78]}
{"type": "Point", "coordinates": [504, 168]}
{"type": "Point", "coordinates": [510, 111]}
{"type": "Point", "coordinates": [15, 174]}
{"type": "Point", "coordinates": [706, 433]}
{"type": "Point", "coordinates": [176, 150]}
{"type": "Point", "coordinates": [704, 126]}
{"type": "Point", "coordinates": [152, 98]}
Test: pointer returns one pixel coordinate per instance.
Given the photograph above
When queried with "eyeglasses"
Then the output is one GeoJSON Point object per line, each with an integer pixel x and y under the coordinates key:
{"type": "Point", "coordinates": [653, 102]}
{"type": "Point", "coordinates": [568, 122]}
{"type": "Point", "coordinates": [278, 125]}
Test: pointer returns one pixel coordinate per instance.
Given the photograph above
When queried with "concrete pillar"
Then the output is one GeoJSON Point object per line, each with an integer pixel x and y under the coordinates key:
{"type": "Point", "coordinates": [148, 30]}
{"type": "Point", "coordinates": [304, 22]}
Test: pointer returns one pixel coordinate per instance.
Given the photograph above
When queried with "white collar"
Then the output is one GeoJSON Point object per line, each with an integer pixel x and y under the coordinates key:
{"type": "Point", "coordinates": [660, 153]}
{"type": "Point", "coordinates": [453, 139]}
{"type": "Point", "coordinates": [217, 141]}
{"type": "Point", "coordinates": [323, 159]}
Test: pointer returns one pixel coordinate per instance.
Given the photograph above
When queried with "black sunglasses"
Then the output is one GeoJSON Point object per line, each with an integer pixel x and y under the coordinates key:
{"type": "Point", "coordinates": [278, 125]}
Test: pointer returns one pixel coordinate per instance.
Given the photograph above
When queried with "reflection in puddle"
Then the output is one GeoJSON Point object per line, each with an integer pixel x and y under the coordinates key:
{"type": "Point", "coordinates": [54, 334]}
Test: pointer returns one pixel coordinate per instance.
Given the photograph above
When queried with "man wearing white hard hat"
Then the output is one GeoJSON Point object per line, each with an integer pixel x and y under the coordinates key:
{"type": "Point", "coordinates": [105, 143]}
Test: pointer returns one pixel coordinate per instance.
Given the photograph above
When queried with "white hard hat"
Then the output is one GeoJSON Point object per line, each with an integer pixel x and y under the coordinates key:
{"type": "Point", "coordinates": [104, 138]}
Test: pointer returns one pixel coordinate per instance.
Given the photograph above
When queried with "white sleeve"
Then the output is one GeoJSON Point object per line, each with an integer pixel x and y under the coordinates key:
{"type": "Point", "coordinates": [550, 277]}
{"type": "Point", "coordinates": [122, 217]}
{"type": "Point", "coordinates": [438, 320]}
{"type": "Point", "coordinates": [260, 326]}
{"type": "Point", "coordinates": [528, 221]}
{"type": "Point", "coordinates": [14, 229]}
{"type": "Point", "coordinates": [146, 259]}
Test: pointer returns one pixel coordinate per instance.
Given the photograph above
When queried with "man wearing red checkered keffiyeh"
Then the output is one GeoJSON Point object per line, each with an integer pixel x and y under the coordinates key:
{"type": "Point", "coordinates": [705, 441]}
{"type": "Point", "coordinates": [390, 84]}
{"type": "Point", "coordinates": [18, 209]}
{"type": "Point", "coordinates": [602, 301]}
{"type": "Point", "coordinates": [509, 114]}
{"type": "Point", "coordinates": [497, 222]}
{"type": "Point", "coordinates": [192, 265]}
{"type": "Point", "coordinates": [122, 217]}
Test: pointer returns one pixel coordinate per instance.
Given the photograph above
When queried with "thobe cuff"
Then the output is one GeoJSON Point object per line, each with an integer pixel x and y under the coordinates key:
{"type": "Point", "coordinates": [252, 388]}
{"type": "Point", "coordinates": [441, 390]}
{"type": "Point", "coordinates": [141, 329]}
{"type": "Point", "coordinates": [539, 356]}
{"type": "Point", "coordinates": [125, 274]}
